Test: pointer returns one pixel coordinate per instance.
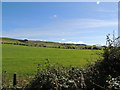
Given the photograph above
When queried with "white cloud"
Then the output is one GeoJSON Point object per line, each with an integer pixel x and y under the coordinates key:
{"type": "Point", "coordinates": [89, 23]}
{"type": "Point", "coordinates": [72, 42]}
{"type": "Point", "coordinates": [42, 40]}
{"type": "Point", "coordinates": [63, 39]}
{"type": "Point", "coordinates": [62, 27]}
{"type": "Point", "coordinates": [98, 2]}
{"type": "Point", "coordinates": [107, 10]}
{"type": "Point", "coordinates": [55, 16]}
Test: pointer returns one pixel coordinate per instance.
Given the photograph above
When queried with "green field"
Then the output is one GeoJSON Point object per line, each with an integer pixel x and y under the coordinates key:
{"type": "Point", "coordinates": [24, 59]}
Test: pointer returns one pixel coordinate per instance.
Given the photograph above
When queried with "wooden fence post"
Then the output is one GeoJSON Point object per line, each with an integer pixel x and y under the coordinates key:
{"type": "Point", "coordinates": [14, 79]}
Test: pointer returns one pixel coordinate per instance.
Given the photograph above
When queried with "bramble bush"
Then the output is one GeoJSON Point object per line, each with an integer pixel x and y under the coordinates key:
{"type": "Point", "coordinates": [57, 77]}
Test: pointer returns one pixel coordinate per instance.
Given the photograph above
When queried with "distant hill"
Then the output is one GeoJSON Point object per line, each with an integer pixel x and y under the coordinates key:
{"type": "Point", "coordinates": [26, 42]}
{"type": "Point", "coordinates": [11, 40]}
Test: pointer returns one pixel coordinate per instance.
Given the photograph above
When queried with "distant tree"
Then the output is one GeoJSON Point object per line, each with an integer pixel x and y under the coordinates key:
{"type": "Point", "coordinates": [25, 40]}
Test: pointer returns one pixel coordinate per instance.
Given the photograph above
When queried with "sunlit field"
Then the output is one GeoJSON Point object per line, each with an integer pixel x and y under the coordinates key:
{"type": "Point", "coordinates": [24, 59]}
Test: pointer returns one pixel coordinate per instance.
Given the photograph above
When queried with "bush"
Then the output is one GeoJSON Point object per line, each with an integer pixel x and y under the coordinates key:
{"type": "Point", "coordinates": [58, 78]}
{"type": "Point", "coordinates": [102, 70]}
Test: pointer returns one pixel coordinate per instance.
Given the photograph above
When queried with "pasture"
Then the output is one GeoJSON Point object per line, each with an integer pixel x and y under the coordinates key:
{"type": "Point", "coordinates": [24, 59]}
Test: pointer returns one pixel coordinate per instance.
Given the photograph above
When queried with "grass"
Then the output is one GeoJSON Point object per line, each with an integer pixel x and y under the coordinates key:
{"type": "Point", "coordinates": [24, 60]}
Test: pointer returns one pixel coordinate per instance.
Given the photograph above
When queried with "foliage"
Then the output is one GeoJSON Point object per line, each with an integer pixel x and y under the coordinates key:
{"type": "Point", "coordinates": [103, 70]}
{"type": "Point", "coordinates": [57, 77]}
{"type": "Point", "coordinates": [114, 83]}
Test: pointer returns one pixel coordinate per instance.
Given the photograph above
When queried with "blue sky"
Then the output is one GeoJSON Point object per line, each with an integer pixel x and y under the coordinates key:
{"type": "Point", "coordinates": [75, 22]}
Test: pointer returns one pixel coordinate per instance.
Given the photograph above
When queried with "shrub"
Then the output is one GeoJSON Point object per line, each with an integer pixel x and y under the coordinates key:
{"type": "Point", "coordinates": [99, 73]}
{"type": "Point", "coordinates": [58, 78]}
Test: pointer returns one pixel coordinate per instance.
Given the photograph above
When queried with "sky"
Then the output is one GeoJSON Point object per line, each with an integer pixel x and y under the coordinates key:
{"type": "Point", "coordinates": [66, 22]}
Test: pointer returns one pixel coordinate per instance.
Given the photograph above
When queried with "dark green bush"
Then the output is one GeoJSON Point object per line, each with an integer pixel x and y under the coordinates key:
{"type": "Point", "coordinates": [103, 70]}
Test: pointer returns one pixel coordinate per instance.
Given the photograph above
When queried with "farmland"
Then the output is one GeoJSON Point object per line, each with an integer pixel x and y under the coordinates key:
{"type": "Point", "coordinates": [24, 59]}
